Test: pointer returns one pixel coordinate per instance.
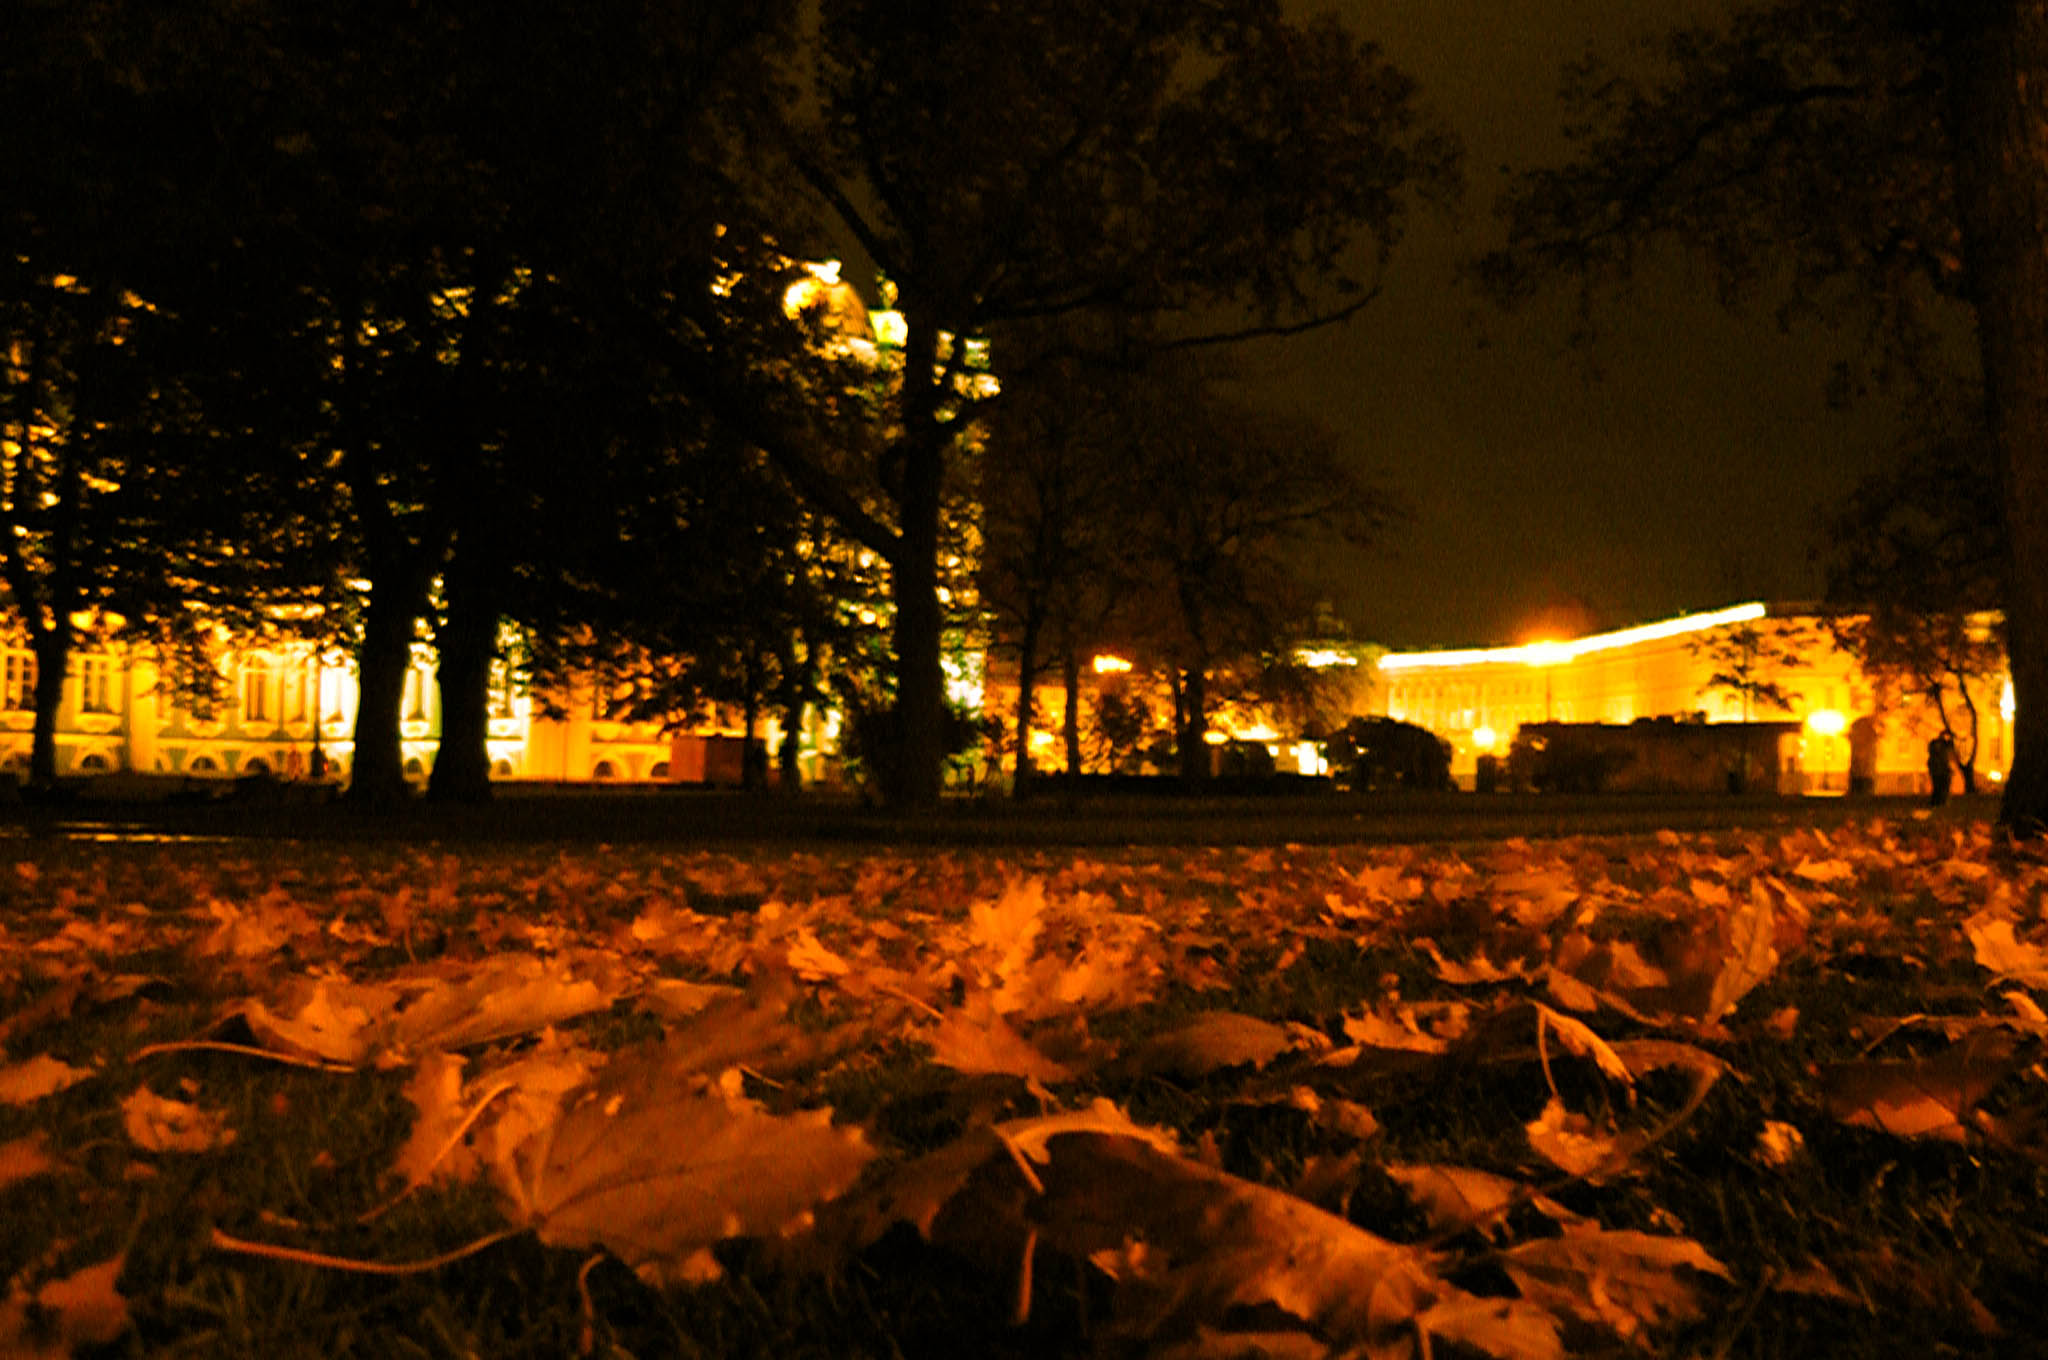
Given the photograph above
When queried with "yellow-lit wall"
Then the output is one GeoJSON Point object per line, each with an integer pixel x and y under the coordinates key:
{"type": "Point", "coordinates": [278, 702]}
{"type": "Point", "coordinates": [1478, 699]}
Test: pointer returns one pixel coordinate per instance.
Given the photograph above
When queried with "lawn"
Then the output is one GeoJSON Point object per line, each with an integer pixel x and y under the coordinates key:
{"type": "Point", "coordinates": [1773, 1090]}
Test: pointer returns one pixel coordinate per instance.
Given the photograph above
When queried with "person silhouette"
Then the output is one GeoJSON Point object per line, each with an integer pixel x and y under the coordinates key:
{"type": "Point", "coordinates": [1941, 759]}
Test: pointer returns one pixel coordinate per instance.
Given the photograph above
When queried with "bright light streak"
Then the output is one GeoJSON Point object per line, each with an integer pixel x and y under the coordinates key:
{"type": "Point", "coordinates": [1484, 738]}
{"type": "Point", "coordinates": [1322, 658]}
{"type": "Point", "coordinates": [1105, 664]}
{"type": "Point", "coordinates": [1557, 653]}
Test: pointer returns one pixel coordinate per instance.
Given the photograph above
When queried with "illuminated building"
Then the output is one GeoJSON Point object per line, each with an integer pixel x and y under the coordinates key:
{"type": "Point", "coordinates": [1478, 699]}
{"type": "Point", "coordinates": [278, 704]}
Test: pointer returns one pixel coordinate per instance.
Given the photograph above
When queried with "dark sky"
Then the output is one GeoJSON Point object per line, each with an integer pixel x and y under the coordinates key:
{"type": "Point", "coordinates": [1686, 474]}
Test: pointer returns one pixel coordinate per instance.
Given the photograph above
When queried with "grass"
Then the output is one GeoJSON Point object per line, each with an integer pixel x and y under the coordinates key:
{"type": "Point", "coordinates": [1937, 1246]}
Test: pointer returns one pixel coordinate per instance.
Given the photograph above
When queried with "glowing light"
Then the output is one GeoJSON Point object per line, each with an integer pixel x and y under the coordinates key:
{"type": "Point", "coordinates": [1308, 758]}
{"type": "Point", "coordinates": [1256, 732]}
{"type": "Point", "coordinates": [1105, 664]}
{"type": "Point", "coordinates": [1826, 722]}
{"type": "Point", "coordinates": [1483, 738]}
{"type": "Point", "coordinates": [2006, 707]}
{"type": "Point", "coordinates": [1557, 653]}
{"type": "Point", "coordinates": [891, 330]}
{"type": "Point", "coordinates": [1322, 658]}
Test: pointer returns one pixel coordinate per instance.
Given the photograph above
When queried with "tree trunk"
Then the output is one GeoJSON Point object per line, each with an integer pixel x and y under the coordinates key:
{"type": "Point", "coordinates": [1070, 720]}
{"type": "Point", "coordinates": [1194, 750]}
{"type": "Point", "coordinates": [1027, 706]}
{"type": "Point", "coordinates": [1998, 81]}
{"type": "Point", "coordinates": [52, 647]}
{"type": "Point", "coordinates": [789, 774]}
{"type": "Point", "coordinates": [913, 772]}
{"type": "Point", "coordinates": [467, 643]}
{"type": "Point", "coordinates": [377, 769]}
{"type": "Point", "coordinates": [753, 772]}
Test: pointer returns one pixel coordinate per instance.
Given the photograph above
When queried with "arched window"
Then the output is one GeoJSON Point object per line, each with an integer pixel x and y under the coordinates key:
{"type": "Point", "coordinates": [256, 765]}
{"type": "Point", "coordinates": [604, 770]}
{"type": "Point", "coordinates": [660, 770]}
{"type": "Point", "coordinates": [202, 765]}
{"type": "Point", "coordinates": [94, 762]}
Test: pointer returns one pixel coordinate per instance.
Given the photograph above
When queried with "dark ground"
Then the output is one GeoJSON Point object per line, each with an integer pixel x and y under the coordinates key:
{"type": "Point", "coordinates": [709, 817]}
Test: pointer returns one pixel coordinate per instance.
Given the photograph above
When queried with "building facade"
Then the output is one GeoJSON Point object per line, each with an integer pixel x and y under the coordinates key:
{"type": "Point", "coordinates": [1730, 665]}
{"type": "Point", "coordinates": [288, 710]}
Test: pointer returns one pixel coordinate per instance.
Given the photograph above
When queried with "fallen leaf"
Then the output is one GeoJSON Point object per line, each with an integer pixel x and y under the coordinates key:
{"type": "Point", "coordinates": [1579, 1037]}
{"type": "Point", "coordinates": [426, 1009]}
{"type": "Point", "coordinates": [1190, 1246]}
{"type": "Point", "coordinates": [24, 1083]}
{"type": "Point", "coordinates": [1459, 1197]}
{"type": "Point", "coordinates": [1401, 1029]}
{"type": "Point", "coordinates": [1749, 936]}
{"type": "Point", "coordinates": [157, 1124]}
{"type": "Point", "coordinates": [1473, 971]}
{"type": "Point", "coordinates": [1779, 1143]}
{"type": "Point", "coordinates": [978, 1039]}
{"type": "Point", "coordinates": [1624, 1281]}
{"type": "Point", "coordinates": [1921, 1097]}
{"type": "Point", "coordinates": [24, 1157]}
{"type": "Point", "coordinates": [1209, 1042]}
{"type": "Point", "coordinates": [2000, 951]}
{"type": "Point", "coordinates": [83, 1309]}
{"type": "Point", "coordinates": [1814, 1280]}
{"type": "Point", "coordinates": [1572, 1143]}
{"type": "Point", "coordinates": [656, 1168]}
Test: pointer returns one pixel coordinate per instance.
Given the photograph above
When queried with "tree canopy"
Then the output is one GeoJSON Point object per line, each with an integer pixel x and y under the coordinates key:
{"type": "Point", "coordinates": [1003, 163]}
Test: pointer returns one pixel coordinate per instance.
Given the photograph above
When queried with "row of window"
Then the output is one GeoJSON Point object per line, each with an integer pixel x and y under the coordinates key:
{"type": "Point", "coordinates": [267, 693]}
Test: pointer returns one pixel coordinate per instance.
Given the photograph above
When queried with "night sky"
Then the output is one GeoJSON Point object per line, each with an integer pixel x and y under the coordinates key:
{"type": "Point", "coordinates": [1686, 474]}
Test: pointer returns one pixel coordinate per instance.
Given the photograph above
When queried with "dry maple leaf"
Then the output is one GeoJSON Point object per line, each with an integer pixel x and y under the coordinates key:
{"type": "Point", "coordinates": [430, 1008]}
{"type": "Point", "coordinates": [656, 1168]}
{"type": "Point", "coordinates": [976, 1039]}
{"type": "Point", "coordinates": [1459, 1197]}
{"type": "Point", "coordinates": [1749, 936]}
{"type": "Point", "coordinates": [1922, 1097]}
{"type": "Point", "coordinates": [463, 1127]}
{"type": "Point", "coordinates": [62, 1316]}
{"type": "Point", "coordinates": [1208, 1042]}
{"type": "Point", "coordinates": [1624, 1281]}
{"type": "Point", "coordinates": [157, 1124]}
{"type": "Point", "coordinates": [1402, 1026]}
{"type": "Point", "coordinates": [1189, 1245]}
{"type": "Point", "coordinates": [2001, 952]}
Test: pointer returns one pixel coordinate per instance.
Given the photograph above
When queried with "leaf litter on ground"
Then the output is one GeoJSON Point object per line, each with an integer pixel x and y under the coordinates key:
{"type": "Point", "coordinates": [638, 1059]}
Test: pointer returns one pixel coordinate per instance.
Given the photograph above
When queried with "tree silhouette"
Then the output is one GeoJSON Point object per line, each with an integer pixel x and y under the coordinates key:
{"type": "Point", "coordinates": [1003, 163]}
